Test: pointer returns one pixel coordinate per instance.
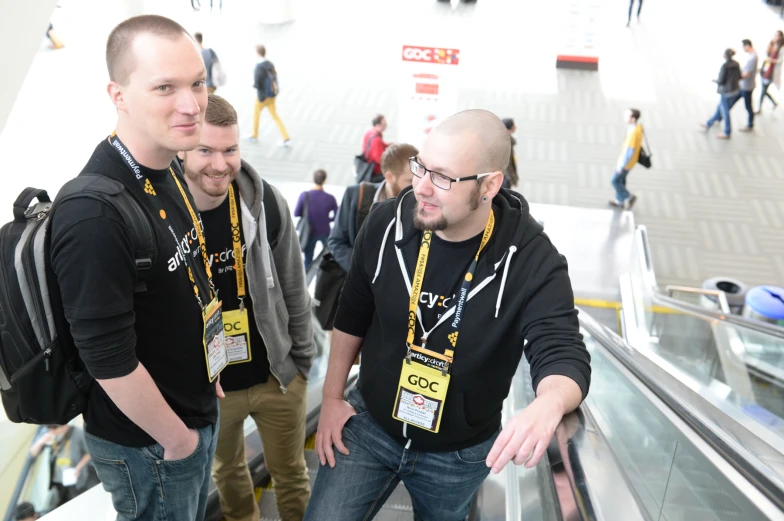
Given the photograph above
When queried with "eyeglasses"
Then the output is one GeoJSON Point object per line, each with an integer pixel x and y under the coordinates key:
{"type": "Point", "coordinates": [444, 182]}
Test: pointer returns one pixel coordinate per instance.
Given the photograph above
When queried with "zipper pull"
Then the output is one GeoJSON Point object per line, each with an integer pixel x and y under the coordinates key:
{"type": "Point", "coordinates": [47, 354]}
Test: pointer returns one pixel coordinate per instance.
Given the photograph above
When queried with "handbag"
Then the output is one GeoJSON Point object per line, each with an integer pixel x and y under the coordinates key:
{"type": "Point", "coordinates": [303, 226]}
{"type": "Point", "coordinates": [644, 159]}
{"type": "Point", "coordinates": [363, 168]}
{"type": "Point", "coordinates": [326, 296]}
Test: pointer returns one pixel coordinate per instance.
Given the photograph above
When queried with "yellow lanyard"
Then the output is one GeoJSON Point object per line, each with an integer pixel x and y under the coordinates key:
{"type": "Point", "coordinates": [419, 277]}
{"type": "Point", "coordinates": [199, 234]}
{"type": "Point", "coordinates": [239, 266]}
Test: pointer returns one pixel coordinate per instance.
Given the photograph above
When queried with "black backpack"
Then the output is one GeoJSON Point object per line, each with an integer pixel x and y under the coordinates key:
{"type": "Point", "coordinates": [42, 378]}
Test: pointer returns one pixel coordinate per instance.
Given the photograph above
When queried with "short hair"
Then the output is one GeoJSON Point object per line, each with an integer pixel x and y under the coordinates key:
{"type": "Point", "coordinates": [261, 50]}
{"type": "Point", "coordinates": [395, 157]}
{"type": "Point", "coordinates": [24, 511]}
{"type": "Point", "coordinates": [729, 53]}
{"type": "Point", "coordinates": [508, 123]}
{"type": "Point", "coordinates": [635, 114]}
{"type": "Point", "coordinates": [220, 112]}
{"type": "Point", "coordinates": [319, 176]}
{"type": "Point", "coordinates": [198, 37]}
{"type": "Point", "coordinates": [747, 43]}
{"type": "Point", "coordinates": [120, 60]}
{"type": "Point", "coordinates": [378, 119]}
{"type": "Point", "coordinates": [489, 132]}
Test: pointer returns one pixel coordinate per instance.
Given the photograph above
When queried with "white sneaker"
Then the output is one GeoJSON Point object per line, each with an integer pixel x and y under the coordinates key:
{"type": "Point", "coordinates": [285, 144]}
{"type": "Point", "coordinates": [251, 139]}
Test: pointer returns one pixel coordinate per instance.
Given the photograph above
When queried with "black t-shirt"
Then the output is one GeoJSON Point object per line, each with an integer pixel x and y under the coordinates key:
{"type": "Point", "coordinates": [220, 249]}
{"type": "Point", "coordinates": [447, 264]}
{"type": "Point", "coordinates": [115, 328]}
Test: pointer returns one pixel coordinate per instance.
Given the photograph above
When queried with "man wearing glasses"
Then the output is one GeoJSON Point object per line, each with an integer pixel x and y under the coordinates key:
{"type": "Point", "coordinates": [450, 283]}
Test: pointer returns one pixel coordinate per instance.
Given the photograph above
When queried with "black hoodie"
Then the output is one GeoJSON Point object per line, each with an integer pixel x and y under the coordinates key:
{"type": "Point", "coordinates": [521, 301]}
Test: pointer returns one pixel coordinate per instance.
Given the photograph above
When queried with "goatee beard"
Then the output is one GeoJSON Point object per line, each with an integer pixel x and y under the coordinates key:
{"type": "Point", "coordinates": [419, 224]}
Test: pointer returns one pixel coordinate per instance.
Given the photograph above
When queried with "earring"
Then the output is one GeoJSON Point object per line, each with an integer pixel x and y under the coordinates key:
{"type": "Point", "coordinates": [484, 198]}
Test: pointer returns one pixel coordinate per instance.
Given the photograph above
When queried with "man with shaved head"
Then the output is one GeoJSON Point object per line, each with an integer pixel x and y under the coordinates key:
{"type": "Point", "coordinates": [139, 321]}
{"type": "Point", "coordinates": [450, 284]}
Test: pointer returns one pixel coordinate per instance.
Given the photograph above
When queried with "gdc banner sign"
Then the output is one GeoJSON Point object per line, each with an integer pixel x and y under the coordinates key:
{"type": "Point", "coordinates": [431, 55]}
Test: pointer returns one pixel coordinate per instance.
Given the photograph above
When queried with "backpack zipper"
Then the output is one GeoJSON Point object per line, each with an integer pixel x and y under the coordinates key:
{"type": "Point", "coordinates": [29, 366]}
{"type": "Point", "coordinates": [28, 259]}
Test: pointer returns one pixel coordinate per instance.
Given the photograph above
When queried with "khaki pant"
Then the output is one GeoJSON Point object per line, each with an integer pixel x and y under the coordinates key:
{"type": "Point", "coordinates": [269, 104]}
{"type": "Point", "coordinates": [280, 419]}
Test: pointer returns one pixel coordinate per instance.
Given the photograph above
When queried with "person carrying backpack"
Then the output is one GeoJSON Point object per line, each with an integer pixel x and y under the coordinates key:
{"type": "Point", "coordinates": [265, 81]}
{"type": "Point", "coordinates": [258, 273]}
{"type": "Point", "coordinates": [127, 283]}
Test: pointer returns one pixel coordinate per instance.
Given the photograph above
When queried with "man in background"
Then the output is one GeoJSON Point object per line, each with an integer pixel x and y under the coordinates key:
{"type": "Point", "coordinates": [397, 176]}
{"type": "Point", "coordinates": [627, 160]}
{"type": "Point", "coordinates": [25, 512]}
{"type": "Point", "coordinates": [210, 58]}
{"type": "Point", "coordinates": [373, 145]}
{"type": "Point", "coordinates": [321, 209]}
{"type": "Point", "coordinates": [265, 81]}
{"type": "Point", "coordinates": [510, 175]}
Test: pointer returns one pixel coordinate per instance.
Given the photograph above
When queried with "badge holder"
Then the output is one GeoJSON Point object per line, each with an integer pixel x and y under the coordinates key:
{"type": "Point", "coordinates": [214, 339]}
{"type": "Point", "coordinates": [421, 394]}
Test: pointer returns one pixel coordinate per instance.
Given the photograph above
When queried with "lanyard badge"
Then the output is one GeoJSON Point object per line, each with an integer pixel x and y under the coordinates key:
{"type": "Point", "coordinates": [236, 321]}
{"type": "Point", "coordinates": [424, 378]}
{"type": "Point", "coordinates": [213, 338]}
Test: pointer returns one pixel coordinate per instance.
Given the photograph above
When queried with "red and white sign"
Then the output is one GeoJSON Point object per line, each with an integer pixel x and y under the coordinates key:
{"type": "Point", "coordinates": [419, 400]}
{"type": "Point", "coordinates": [444, 56]}
{"type": "Point", "coordinates": [428, 92]}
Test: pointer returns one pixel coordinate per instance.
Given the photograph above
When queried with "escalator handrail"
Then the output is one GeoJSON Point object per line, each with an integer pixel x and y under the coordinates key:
{"type": "Point", "coordinates": [600, 489]}
{"type": "Point", "coordinates": [730, 445]}
{"type": "Point", "coordinates": [661, 299]}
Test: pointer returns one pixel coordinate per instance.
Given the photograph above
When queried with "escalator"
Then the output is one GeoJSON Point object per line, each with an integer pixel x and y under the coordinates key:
{"type": "Point", "coordinates": [642, 446]}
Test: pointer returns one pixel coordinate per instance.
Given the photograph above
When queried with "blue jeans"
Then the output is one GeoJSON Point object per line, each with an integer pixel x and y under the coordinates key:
{"type": "Point", "coordinates": [723, 112]}
{"type": "Point", "coordinates": [619, 183]}
{"type": "Point", "coordinates": [144, 487]}
{"type": "Point", "coordinates": [746, 96]}
{"type": "Point", "coordinates": [442, 485]}
{"type": "Point", "coordinates": [310, 246]}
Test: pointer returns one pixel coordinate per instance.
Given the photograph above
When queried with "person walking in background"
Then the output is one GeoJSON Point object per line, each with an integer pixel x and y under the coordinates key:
{"type": "Point", "coordinates": [728, 88]}
{"type": "Point", "coordinates": [771, 69]}
{"type": "Point", "coordinates": [25, 512]}
{"type": "Point", "coordinates": [627, 160]}
{"type": "Point", "coordinates": [631, 7]}
{"type": "Point", "coordinates": [210, 58]}
{"type": "Point", "coordinates": [510, 175]}
{"type": "Point", "coordinates": [373, 145]}
{"type": "Point", "coordinates": [265, 81]}
{"type": "Point", "coordinates": [748, 82]}
{"type": "Point", "coordinates": [321, 210]}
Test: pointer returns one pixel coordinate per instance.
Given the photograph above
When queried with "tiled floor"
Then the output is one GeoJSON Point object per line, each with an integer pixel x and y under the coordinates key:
{"type": "Point", "coordinates": [712, 208]}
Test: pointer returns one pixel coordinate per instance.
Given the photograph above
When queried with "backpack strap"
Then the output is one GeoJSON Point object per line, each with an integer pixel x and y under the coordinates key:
{"type": "Point", "coordinates": [364, 203]}
{"type": "Point", "coordinates": [367, 145]}
{"type": "Point", "coordinates": [271, 214]}
{"type": "Point", "coordinates": [113, 193]}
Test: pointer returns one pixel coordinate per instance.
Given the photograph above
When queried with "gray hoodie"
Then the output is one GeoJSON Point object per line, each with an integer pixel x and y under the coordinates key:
{"type": "Point", "coordinates": [276, 282]}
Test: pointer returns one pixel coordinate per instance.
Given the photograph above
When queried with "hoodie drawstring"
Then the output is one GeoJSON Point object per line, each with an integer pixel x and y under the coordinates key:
{"type": "Point", "coordinates": [512, 250]}
{"type": "Point", "coordinates": [381, 251]}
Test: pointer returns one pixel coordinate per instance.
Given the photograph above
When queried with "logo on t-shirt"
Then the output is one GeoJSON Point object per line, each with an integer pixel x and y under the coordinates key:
{"type": "Point", "coordinates": [189, 245]}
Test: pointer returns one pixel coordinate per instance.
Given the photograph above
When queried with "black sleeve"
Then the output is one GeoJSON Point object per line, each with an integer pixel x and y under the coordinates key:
{"type": "Point", "coordinates": [550, 326]}
{"type": "Point", "coordinates": [357, 305]}
{"type": "Point", "coordinates": [339, 242]}
{"type": "Point", "coordinates": [722, 74]}
{"type": "Point", "coordinates": [258, 78]}
{"type": "Point", "coordinates": [92, 258]}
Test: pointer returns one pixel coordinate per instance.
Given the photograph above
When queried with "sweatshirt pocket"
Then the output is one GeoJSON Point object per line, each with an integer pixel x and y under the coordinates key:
{"type": "Point", "coordinates": [283, 313]}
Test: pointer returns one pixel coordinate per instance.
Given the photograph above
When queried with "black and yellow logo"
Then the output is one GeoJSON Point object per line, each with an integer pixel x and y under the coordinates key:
{"type": "Point", "coordinates": [148, 189]}
{"type": "Point", "coordinates": [453, 338]}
